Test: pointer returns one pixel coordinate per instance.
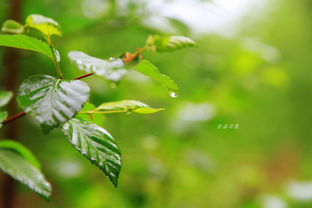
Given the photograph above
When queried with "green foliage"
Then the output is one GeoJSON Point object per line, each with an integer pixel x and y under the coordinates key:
{"type": "Point", "coordinates": [159, 43]}
{"type": "Point", "coordinates": [14, 162]}
{"type": "Point", "coordinates": [96, 144]}
{"type": "Point", "coordinates": [85, 115]}
{"type": "Point", "coordinates": [27, 43]}
{"type": "Point", "coordinates": [44, 24]}
{"type": "Point", "coordinates": [147, 68]}
{"type": "Point", "coordinates": [11, 26]}
{"type": "Point", "coordinates": [112, 69]}
{"type": "Point", "coordinates": [124, 106]}
{"type": "Point", "coordinates": [21, 150]}
{"type": "Point", "coordinates": [52, 101]}
{"type": "Point", "coordinates": [55, 102]}
{"type": "Point", "coordinates": [115, 68]}
{"type": "Point", "coordinates": [253, 71]}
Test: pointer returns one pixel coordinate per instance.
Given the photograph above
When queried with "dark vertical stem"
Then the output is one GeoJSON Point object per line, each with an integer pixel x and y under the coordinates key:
{"type": "Point", "coordinates": [11, 63]}
{"type": "Point", "coordinates": [11, 66]}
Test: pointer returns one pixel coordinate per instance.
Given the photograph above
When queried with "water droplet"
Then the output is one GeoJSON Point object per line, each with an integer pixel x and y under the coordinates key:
{"type": "Point", "coordinates": [173, 94]}
{"type": "Point", "coordinates": [57, 55]}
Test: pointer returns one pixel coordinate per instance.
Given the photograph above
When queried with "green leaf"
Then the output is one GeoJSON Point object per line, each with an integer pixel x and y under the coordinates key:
{"type": "Point", "coordinates": [113, 69]}
{"type": "Point", "coordinates": [3, 116]}
{"type": "Point", "coordinates": [159, 43]}
{"type": "Point", "coordinates": [20, 169]}
{"type": "Point", "coordinates": [11, 26]}
{"type": "Point", "coordinates": [34, 33]}
{"type": "Point", "coordinates": [147, 68]}
{"type": "Point", "coordinates": [98, 119]}
{"type": "Point", "coordinates": [124, 106]}
{"type": "Point", "coordinates": [52, 101]}
{"type": "Point", "coordinates": [96, 144]}
{"type": "Point", "coordinates": [44, 24]}
{"type": "Point", "coordinates": [21, 150]}
{"type": "Point", "coordinates": [5, 97]}
{"type": "Point", "coordinates": [27, 43]}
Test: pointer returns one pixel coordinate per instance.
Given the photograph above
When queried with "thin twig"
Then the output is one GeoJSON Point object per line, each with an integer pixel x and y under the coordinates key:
{"type": "Point", "coordinates": [55, 61]}
{"type": "Point", "coordinates": [83, 76]}
{"type": "Point", "coordinates": [14, 117]}
{"type": "Point", "coordinates": [21, 114]}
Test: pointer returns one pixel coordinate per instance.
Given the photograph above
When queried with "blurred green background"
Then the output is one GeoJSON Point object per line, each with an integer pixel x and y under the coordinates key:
{"type": "Point", "coordinates": [238, 134]}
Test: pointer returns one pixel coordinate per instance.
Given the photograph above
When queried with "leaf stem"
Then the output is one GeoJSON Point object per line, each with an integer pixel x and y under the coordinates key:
{"type": "Point", "coordinates": [56, 63]}
{"type": "Point", "coordinates": [104, 112]}
{"type": "Point", "coordinates": [139, 51]}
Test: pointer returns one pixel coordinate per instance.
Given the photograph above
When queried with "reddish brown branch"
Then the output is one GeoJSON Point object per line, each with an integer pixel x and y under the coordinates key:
{"type": "Point", "coordinates": [14, 117]}
{"type": "Point", "coordinates": [83, 76]}
{"type": "Point", "coordinates": [21, 114]}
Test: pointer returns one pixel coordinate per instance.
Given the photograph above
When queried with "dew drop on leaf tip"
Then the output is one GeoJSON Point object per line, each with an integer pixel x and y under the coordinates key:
{"type": "Point", "coordinates": [173, 94]}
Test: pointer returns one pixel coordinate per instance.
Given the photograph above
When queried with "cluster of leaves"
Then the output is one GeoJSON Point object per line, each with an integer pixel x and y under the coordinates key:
{"type": "Point", "coordinates": [58, 103]}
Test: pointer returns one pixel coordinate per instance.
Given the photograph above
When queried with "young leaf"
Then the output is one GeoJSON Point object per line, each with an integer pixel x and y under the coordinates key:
{"type": "Point", "coordinates": [96, 144]}
{"type": "Point", "coordinates": [124, 106]}
{"type": "Point", "coordinates": [44, 24]}
{"type": "Point", "coordinates": [21, 150]}
{"type": "Point", "coordinates": [159, 43]}
{"type": "Point", "coordinates": [113, 69]}
{"type": "Point", "coordinates": [3, 116]}
{"type": "Point", "coordinates": [5, 97]}
{"type": "Point", "coordinates": [27, 43]}
{"type": "Point", "coordinates": [147, 68]}
{"type": "Point", "coordinates": [20, 169]}
{"type": "Point", "coordinates": [11, 26]}
{"type": "Point", "coordinates": [98, 119]}
{"type": "Point", "coordinates": [52, 101]}
{"type": "Point", "coordinates": [34, 33]}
